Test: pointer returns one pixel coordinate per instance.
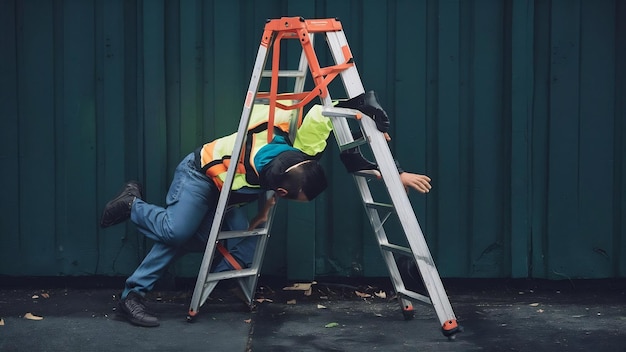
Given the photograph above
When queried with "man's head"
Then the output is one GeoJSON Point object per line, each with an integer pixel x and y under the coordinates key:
{"type": "Point", "coordinates": [294, 175]}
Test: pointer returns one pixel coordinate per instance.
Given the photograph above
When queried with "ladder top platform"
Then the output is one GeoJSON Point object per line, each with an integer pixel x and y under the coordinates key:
{"type": "Point", "coordinates": [294, 23]}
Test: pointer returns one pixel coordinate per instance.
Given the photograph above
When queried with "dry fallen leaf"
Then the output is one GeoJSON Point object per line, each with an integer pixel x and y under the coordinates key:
{"type": "Point", "coordinates": [247, 321]}
{"type": "Point", "coordinates": [300, 286]}
{"type": "Point", "coordinates": [1, 322]}
{"type": "Point", "coordinates": [30, 316]}
{"type": "Point", "coordinates": [291, 301]}
{"type": "Point", "coordinates": [45, 295]}
{"type": "Point", "coordinates": [381, 294]}
{"type": "Point", "coordinates": [35, 297]}
{"type": "Point", "coordinates": [362, 295]}
{"type": "Point", "coordinates": [319, 306]}
{"type": "Point", "coordinates": [534, 304]}
{"type": "Point", "coordinates": [539, 310]}
{"type": "Point", "coordinates": [261, 300]}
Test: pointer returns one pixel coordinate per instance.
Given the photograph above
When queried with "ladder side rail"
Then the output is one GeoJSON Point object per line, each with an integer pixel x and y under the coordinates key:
{"type": "Point", "coordinates": [408, 220]}
{"type": "Point", "coordinates": [299, 83]}
{"type": "Point", "coordinates": [344, 136]}
{"type": "Point", "coordinates": [248, 284]}
{"type": "Point", "coordinates": [379, 232]}
{"type": "Point", "coordinates": [340, 51]}
{"type": "Point", "coordinates": [303, 66]}
{"type": "Point", "coordinates": [338, 45]}
{"type": "Point", "coordinates": [205, 266]}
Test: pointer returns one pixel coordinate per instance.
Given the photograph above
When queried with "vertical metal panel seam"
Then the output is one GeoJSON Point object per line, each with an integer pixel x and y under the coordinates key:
{"type": "Point", "coordinates": [521, 229]}
{"type": "Point", "coordinates": [431, 121]}
{"type": "Point", "coordinates": [19, 47]}
{"type": "Point", "coordinates": [58, 121]}
{"type": "Point", "coordinates": [619, 163]}
{"type": "Point", "coordinates": [466, 116]}
{"type": "Point", "coordinates": [99, 38]}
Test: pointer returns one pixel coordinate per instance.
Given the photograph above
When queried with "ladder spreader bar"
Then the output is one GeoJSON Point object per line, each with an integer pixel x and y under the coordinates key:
{"type": "Point", "coordinates": [414, 296]}
{"type": "Point", "coordinates": [380, 206]}
{"type": "Point", "coordinates": [230, 274]}
{"type": "Point", "coordinates": [396, 249]}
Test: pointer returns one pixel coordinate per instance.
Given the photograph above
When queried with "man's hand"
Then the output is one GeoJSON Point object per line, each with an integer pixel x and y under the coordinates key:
{"type": "Point", "coordinates": [263, 214]}
{"type": "Point", "coordinates": [420, 183]}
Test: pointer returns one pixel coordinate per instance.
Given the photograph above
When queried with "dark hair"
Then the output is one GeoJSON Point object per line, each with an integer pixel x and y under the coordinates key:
{"type": "Point", "coordinates": [307, 177]}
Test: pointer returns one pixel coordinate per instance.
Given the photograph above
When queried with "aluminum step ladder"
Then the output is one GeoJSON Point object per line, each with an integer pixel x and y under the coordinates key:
{"type": "Point", "coordinates": [396, 205]}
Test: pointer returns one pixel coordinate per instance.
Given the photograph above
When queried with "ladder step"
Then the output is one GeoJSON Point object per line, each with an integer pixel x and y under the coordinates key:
{"type": "Point", "coordinates": [285, 73]}
{"type": "Point", "coordinates": [353, 144]}
{"type": "Point", "coordinates": [230, 274]}
{"type": "Point", "coordinates": [396, 249]}
{"type": "Point", "coordinates": [223, 235]}
{"type": "Point", "coordinates": [414, 296]}
{"type": "Point", "coordinates": [369, 174]}
{"type": "Point", "coordinates": [380, 206]}
{"type": "Point", "coordinates": [341, 112]}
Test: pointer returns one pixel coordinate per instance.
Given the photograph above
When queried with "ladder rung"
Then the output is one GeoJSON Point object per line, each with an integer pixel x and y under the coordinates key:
{"type": "Point", "coordinates": [397, 249]}
{"type": "Point", "coordinates": [353, 144]}
{"type": "Point", "coordinates": [230, 274]}
{"type": "Point", "coordinates": [341, 112]}
{"type": "Point", "coordinates": [285, 73]}
{"type": "Point", "coordinates": [223, 235]}
{"type": "Point", "coordinates": [380, 206]}
{"type": "Point", "coordinates": [414, 296]}
{"type": "Point", "coordinates": [368, 174]}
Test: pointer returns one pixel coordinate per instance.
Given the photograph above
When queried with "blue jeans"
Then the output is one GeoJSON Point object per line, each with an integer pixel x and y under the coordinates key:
{"type": "Point", "coordinates": [183, 225]}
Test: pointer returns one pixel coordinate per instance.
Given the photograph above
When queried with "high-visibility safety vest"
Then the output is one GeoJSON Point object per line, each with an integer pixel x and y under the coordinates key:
{"type": "Point", "coordinates": [213, 158]}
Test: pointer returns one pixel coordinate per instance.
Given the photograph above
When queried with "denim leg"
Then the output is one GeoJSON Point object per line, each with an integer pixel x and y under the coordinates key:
{"type": "Point", "coordinates": [191, 199]}
{"type": "Point", "coordinates": [150, 270]}
{"type": "Point", "coordinates": [187, 218]}
{"type": "Point", "coordinates": [161, 255]}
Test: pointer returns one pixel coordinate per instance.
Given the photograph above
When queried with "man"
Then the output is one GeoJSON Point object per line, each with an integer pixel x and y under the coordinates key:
{"type": "Point", "coordinates": [290, 170]}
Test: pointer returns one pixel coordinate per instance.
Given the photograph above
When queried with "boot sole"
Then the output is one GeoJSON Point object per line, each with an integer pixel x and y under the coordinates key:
{"type": "Point", "coordinates": [137, 322]}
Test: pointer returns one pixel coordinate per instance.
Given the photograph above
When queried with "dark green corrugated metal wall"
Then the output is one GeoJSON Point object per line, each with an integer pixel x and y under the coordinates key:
{"type": "Point", "coordinates": [515, 108]}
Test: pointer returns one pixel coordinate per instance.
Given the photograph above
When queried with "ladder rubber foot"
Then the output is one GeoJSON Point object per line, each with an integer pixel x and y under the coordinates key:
{"type": "Point", "coordinates": [408, 312]}
{"type": "Point", "coordinates": [450, 328]}
{"type": "Point", "coordinates": [191, 316]}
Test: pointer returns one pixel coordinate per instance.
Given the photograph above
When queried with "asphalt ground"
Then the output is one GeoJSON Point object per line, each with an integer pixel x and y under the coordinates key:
{"type": "Point", "coordinates": [78, 314]}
